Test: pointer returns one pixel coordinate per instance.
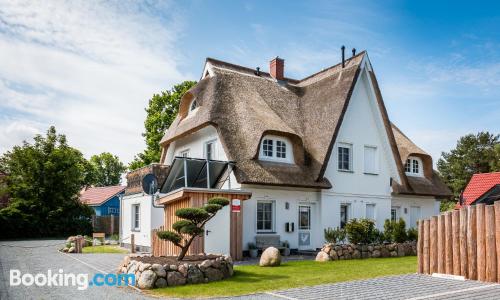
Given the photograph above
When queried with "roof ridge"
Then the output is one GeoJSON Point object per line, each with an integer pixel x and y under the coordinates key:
{"type": "Point", "coordinates": [331, 67]}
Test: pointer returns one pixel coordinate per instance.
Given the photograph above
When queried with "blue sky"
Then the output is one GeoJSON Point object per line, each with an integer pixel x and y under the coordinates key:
{"type": "Point", "coordinates": [89, 67]}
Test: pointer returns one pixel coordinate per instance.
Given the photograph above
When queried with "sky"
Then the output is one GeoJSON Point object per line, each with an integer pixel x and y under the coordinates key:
{"type": "Point", "coordinates": [89, 67]}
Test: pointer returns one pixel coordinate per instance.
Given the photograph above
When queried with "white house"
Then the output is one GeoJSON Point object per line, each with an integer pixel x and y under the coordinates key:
{"type": "Point", "coordinates": [313, 153]}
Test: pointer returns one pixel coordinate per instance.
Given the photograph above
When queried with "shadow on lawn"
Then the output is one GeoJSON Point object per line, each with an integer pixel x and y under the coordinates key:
{"type": "Point", "coordinates": [249, 276]}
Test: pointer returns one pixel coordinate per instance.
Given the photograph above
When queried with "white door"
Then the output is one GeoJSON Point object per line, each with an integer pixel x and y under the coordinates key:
{"type": "Point", "coordinates": [217, 236]}
{"type": "Point", "coordinates": [415, 215]}
{"type": "Point", "coordinates": [305, 227]}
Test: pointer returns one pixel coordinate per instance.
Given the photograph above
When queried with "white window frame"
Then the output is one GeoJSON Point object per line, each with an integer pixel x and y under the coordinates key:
{"type": "Point", "coordinates": [214, 152]}
{"type": "Point", "coordinates": [134, 215]}
{"type": "Point", "coordinates": [348, 213]}
{"type": "Point", "coordinates": [409, 166]}
{"type": "Point", "coordinates": [396, 209]}
{"type": "Point", "coordinates": [274, 157]}
{"type": "Point", "coordinates": [374, 211]}
{"type": "Point", "coordinates": [308, 227]}
{"type": "Point", "coordinates": [184, 153]}
{"type": "Point", "coordinates": [273, 217]}
{"type": "Point", "coordinates": [375, 170]}
{"type": "Point", "coordinates": [351, 154]}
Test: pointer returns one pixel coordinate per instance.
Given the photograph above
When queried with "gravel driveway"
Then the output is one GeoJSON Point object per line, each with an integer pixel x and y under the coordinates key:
{"type": "Point", "coordinates": [33, 257]}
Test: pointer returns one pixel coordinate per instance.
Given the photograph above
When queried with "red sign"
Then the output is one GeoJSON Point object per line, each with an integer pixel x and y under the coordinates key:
{"type": "Point", "coordinates": [236, 205]}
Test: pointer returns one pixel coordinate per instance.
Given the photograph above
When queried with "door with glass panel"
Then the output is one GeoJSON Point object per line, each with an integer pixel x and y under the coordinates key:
{"type": "Point", "coordinates": [305, 227]}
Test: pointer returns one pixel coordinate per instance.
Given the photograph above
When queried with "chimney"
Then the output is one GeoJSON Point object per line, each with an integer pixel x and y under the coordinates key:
{"type": "Point", "coordinates": [343, 56]}
{"type": "Point", "coordinates": [277, 68]}
{"type": "Point", "coordinates": [353, 51]}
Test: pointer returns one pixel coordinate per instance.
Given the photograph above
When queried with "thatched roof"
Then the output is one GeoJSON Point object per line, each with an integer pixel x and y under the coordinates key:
{"type": "Point", "coordinates": [244, 107]}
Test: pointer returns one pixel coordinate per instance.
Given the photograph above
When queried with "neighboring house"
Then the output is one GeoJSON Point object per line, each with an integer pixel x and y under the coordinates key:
{"type": "Point", "coordinates": [4, 198]}
{"type": "Point", "coordinates": [312, 153]}
{"type": "Point", "coordinates": [104, 200]}
{"type": "Point", "coordinates": [482, 188]}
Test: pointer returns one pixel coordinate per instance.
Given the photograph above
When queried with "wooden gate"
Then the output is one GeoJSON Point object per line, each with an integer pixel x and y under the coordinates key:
{"type": "Point", "coordinates": [463, 242]}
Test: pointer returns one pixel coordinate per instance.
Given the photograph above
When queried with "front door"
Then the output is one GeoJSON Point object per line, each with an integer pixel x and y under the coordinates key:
{"type": "Point", "coordinates": [305, 227]}
{"type": "Point", "coordinates": [217, 235]}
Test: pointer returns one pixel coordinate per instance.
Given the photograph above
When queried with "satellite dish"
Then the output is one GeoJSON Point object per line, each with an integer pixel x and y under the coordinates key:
{"type": "Point", "coordinates": [149, 184]}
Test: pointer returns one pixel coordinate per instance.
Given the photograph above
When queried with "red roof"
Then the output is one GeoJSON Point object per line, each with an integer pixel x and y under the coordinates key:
{"type": "Point", "coordinates": [99, 195]}
{"type": "Point", "coordinates": [478, 185]}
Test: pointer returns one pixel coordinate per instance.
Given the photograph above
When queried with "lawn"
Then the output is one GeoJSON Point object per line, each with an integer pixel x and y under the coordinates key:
{"type": "Point", "coordinates": [254, 279]}
{"type": "Point", "coordinates": [104, 249]}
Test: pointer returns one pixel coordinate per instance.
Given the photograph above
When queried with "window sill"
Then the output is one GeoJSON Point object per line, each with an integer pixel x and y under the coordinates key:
{"type": "Point", "coordinates": [266, 232]}
{"type": "Point", "coordinates": [369, 173]}
{"type": "Point", "coordinates": [345, 171]}
{"type": "Point", "coordinates": [135, 230]}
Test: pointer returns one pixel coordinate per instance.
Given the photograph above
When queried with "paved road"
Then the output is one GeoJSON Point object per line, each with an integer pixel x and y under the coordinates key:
{"type": "Point", "coordinates": [30, 256]}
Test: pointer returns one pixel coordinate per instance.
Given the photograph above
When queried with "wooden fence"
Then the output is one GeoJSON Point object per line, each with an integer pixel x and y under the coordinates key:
{"type": "Point", "coordinates": [107, 224]}
{"type": "Point", "coordinates": [161, 247]}
{"type": "Point", "coordinates": [464, 242]}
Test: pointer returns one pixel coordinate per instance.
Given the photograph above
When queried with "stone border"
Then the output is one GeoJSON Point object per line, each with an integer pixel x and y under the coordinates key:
{"type": "Point", "coordinates": [351, 251]}
{"type": "Point", "coordinates": [149, 276]}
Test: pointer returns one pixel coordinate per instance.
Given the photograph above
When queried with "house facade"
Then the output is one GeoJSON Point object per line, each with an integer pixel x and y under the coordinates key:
{"type": "Point", "coordinates": [312, 153]}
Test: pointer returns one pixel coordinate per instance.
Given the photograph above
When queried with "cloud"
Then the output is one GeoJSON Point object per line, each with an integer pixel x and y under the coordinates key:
{"type": "Point", "coordinates": [86, 67]}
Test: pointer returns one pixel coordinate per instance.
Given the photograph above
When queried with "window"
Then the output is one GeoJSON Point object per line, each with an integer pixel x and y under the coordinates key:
{"type": "Point", "coordinates": [344, 215]}
{"type": "Point", "coordinates": [394, 213]}
{"type": "Point", "coordinates": [194, 105]}
{"type": "Point", "coordinates": [209, 150]}
{"type": "Point", "coordinates": [413, 166]}
{"type": "Point", "coordinates": [345, 157]}
{"type": "Point", "coordinates": [276, 148]}
{"type": "Point", "coordinates": [136, 217]}
{"type": "Point", "coordinates": [370, 211]}
{"type": "Point", "coordinates": [265, 216]}
{"type": "Point", "coordinates": [304, 217]}
{"type": "Point", "coordinates": [113, 210]}
{"type": "Point", "coordinates": [371, 162]}
{"type": "Point", "coordinates": [185, 153]}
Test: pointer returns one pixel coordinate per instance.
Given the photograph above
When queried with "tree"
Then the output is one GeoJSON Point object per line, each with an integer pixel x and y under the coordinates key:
{"type": "Point", "coordinates": [478, 153]}
{"type": "Point", "coordinates": [192, 224]}
{"type": "Point", "coordinates": [43, 184]}
{"type": "Point", "coordinates": [161, 112]}
{"type": "Point", "coordinates": [107, 169]}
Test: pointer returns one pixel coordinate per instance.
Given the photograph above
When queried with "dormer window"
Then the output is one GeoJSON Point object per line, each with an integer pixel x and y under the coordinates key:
{"type": "Point", "coordinates": [194, 105]}
{"type": "Point", "coordinates": [413, 166]}
{"type": "Point", "coordinates": [276, 148]}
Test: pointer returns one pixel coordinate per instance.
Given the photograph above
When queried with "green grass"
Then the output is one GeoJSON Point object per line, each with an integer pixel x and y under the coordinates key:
{"type": "Point", "coordinates": [254, 279]}
{"type": "Point", "coordinates": [104, 249]}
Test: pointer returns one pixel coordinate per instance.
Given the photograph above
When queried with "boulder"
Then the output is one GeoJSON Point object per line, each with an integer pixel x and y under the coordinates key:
{"type": "Point", "coordinates": [270, 257]}
{"type": "Point", "coordinates": [175, 278]}
{"type": "Point", "coordinates": [376, 253]}
{"type": "Point", "coordinates": [71, 249]}
{"type": "Point", "coordinates": [143, 267]}
{"type": "Point", "coordinates": [195, 275]}
{"type": "Point", "coordinates": [159, 270]}
{"type": "Point", "coordinates": [327, 248]}
{"type": "Point", "coordinates": [126, 261]}
{"type": "Point", "coordinates": [132, 268]}
{"type": "Point", "coordinates": [370, 248]}
{"type": "Point", "coordinates": [333, 254]}
{"type": "Point", "coordinates": [394, 254]}
{"type": "Point", "coordinates": [356, 254]}
{"type": "Point", "coordinates": [161, 282]}
{"type": "Point", "coordinates": [206, 264]}
{"type": "Point", "coordinates": [213, 274]}
{"type": "Point", "coordinates": [322, 257]}
{"type": "Point", "coordinates": [147, 279]}
{"type": "Point", "coordinates": [183, 269]}
{"type": "Point", "coordinates": [400, 250]}
{"type": "Point", "coordinates": [172, 268]}
{"type": "Point", "coordinates": [384, 252]}
{"type": "Point", "coordinates": [65, 249]}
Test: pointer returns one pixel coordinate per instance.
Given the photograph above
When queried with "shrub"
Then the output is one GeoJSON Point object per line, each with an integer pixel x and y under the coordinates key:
{"type": "Point", "coordinates": [412, 234]}
{"type": "Point", "coordinates": [395, 231]}
{"type": "Point", "coordinates": [334, 236]}
{"type": "Point", "coordinates": [252, 246]}
{"type": "Point", "coordinates": [378, 237]}
{"type": "Point", "coordinates": [361, 231]}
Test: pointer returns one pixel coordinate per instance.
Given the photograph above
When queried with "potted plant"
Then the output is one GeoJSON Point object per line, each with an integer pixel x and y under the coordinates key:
{"type": "Point", "coordinates": [286, 249]}
{"type": "Point", "coordinates": [253, 251]}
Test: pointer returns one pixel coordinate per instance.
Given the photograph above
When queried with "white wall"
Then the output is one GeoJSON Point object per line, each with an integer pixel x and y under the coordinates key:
{"type": "Point", "coordinates": [429, 206]}
{"type": "Point", "coordinates": [282, 215]}
{"type": "Point", "coordinates": [149, 218]}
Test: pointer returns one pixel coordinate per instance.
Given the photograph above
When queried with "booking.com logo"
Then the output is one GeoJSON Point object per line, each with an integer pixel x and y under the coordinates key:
{"type": "Point", "coordinates": [59, 278]}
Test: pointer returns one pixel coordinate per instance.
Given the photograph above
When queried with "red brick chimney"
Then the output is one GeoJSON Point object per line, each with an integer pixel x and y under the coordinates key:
{"type": "Point", "coordinates": [277, 68]}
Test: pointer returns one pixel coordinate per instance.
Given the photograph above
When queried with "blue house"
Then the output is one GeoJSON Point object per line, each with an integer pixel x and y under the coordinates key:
{"type": "Point", "coordinates": [104, 200]}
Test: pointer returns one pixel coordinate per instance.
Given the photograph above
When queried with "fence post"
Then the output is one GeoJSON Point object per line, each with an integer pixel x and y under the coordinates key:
{"type": "Point", "coordinates": [463, 243]}
{"type": "Point", "coordinates": [455, 225]}
{"type": "Point", "coordinates": [471, 243]}
{"type": "Point", "coordinates": [420, 246]}
{"type": "Point", "coordinates": [132, 243]}
{"type": "Point", "coordinates": [440, 244]}
{"type": "Point", "coordinates": [497, 237]}
{"type": "Point", "coordinates": [491, 255]}
{"type": "Point", "coordinates": [426, 246]}
{"type": "Point", "coordinates": [448, 243]}
{"type": "Point", "coordinates": [481, 239]}
{"type": "Point", "coordinates": [112, 221]}
{"type": "Point", "coordinates": [433, 245]}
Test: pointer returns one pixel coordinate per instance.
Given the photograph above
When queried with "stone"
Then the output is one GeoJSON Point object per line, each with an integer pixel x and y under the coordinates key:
{"type": "Point", "coordinates": [332, 253]}
{"type": "Point", "coordinates": [183, 269]}
{"type": "Point", "coordinates": [377, 247]}
{"type": "Point", "coordinates": [159, 270]}
{"type": "Point", "coordinates": [132, 268]}
{"type": "Point", "coordinates": [370, 248]}
{"type": "Point", "coordinates": [195, 275]}
{"type": "Point", "coordinates": [356, 254]}
{"type": "Point", "coordinates": [327, 248]}
{"type": "Point", "coordinates": [400, 250]}
{"type": "Point", "coordinates": [391, 247]}
{"type": "Point", "coordinates": [213, 274]}
{"type": "Point", "coordinates": [126, 261]}
{"type": "Point", "coordinates": [206, 264]}
{"type": "Point", "coordinates": [337, 248]}
{"type": "Point", "coordinates": [347, 256]}
{"type": "Point", "coordinates": [144, 267]}
{"type": "Point", "coordinates": [376, 253]}
{"type": "Point", "coordinates": [65, 249]}
{"type": "Point", "coordinates": [322, 257]}
{"type": "Point", "coordinates": [228, 258]}
{"type": "Point", "coordinates": [384, 252]}
{"type": "Point", "coordinates": [394, 254]}
{"type": "Point", "coordinates": [216, 264]}
{"type": "Point", "coordinates": [270, 257]}
{"type": "Point", "coordinates": [71, 249]}
{"type": "Point", "coordinates": [147, 279]}
{"type": "Point", "coordinates": [173, 267]}
{"type": "Point", "coordinates": [123, 270]}
{"type": "Point", "coordinates": [161, 282]}
{"type": "Point", "coordinates": [175, 278]}
{"type": "Point", "coordinates": [364, 248]}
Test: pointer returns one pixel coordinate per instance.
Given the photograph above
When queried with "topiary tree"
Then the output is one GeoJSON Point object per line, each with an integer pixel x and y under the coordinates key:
{"type": "Point", "coordinates": [192, 224]}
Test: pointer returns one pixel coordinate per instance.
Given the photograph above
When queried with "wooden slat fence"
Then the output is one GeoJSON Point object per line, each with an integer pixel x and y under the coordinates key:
{"type": "Point", "coordinates": [463, 242]}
